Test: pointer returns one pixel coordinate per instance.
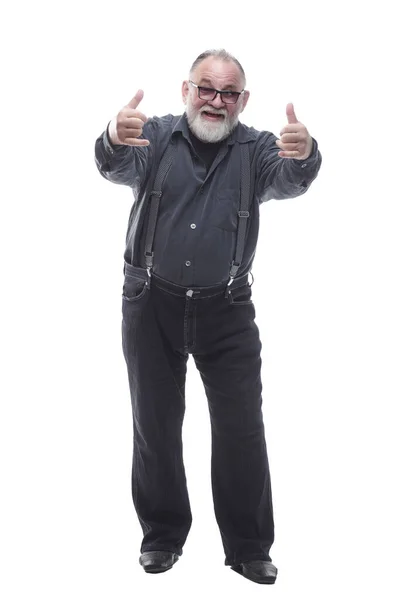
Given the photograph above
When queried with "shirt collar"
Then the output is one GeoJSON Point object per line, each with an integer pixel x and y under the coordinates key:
{"type": "Point", "coordinates": [241, 133]}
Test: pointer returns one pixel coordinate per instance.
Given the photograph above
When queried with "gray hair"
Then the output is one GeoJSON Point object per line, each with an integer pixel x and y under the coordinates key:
{"type": "Point", "coordinates": [222, 55]}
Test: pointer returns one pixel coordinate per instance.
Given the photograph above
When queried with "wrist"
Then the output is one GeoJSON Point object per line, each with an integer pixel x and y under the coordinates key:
{"type": "Point", "coordinates": [112, 132]}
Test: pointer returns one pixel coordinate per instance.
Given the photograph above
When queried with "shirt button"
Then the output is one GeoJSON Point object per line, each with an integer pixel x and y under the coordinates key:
{"type": "Point", "coordinates": [188, 263]}
{"type": "Point", "coordinates": [193, 226]}
{"type": "Point", "coordinates": [304, 166]}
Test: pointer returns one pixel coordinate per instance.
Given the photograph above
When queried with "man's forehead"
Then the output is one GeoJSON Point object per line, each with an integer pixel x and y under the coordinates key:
{"type": "Point", "coordinates": [218, 72]}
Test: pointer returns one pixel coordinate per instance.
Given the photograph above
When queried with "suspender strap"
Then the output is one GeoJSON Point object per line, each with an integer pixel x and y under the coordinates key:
{"type": "Point", "coordinates": [243, 213]}
{"type": "Point", "coordinates": [155, 197]}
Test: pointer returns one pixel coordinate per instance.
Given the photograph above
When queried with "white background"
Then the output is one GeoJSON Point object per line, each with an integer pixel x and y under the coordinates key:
{"type": "Point", "coordinates": [326, 293]}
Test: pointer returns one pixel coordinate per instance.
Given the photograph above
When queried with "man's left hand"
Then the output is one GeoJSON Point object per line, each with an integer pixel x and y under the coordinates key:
{"type": "Point", "coordinates": [295, 141]}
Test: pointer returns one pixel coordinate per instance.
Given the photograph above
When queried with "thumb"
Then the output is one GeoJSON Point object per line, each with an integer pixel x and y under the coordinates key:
{"type": "Point", "coordinates": [136, 100]}
{"type": "Point", "coordinates": [291, 114]}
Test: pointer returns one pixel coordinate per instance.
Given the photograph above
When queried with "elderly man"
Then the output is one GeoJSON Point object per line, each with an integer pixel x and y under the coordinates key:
{"type": "Point", "coordinates": [198, 181]}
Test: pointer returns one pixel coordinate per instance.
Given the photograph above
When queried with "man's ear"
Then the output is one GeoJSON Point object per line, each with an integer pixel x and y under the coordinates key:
{"type": "Point", "coordinates": [185, 91]}
{"type": "Point", "coordinates": [245, 99]}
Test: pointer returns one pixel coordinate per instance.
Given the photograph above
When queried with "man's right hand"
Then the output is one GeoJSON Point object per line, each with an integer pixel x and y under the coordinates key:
{"type": "Point", "coordinates": [127, 126]}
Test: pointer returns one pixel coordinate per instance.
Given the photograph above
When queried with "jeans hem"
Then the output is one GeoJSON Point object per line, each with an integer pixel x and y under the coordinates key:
{"type": "Point", "coordinates": [177, 551]}
{"type": "Point", "coordinates": [234, 562]}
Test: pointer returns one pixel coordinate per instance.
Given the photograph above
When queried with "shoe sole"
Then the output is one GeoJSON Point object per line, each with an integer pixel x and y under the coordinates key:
{"type": "Point", "coordinates": [156, 569]}
{"type": "Point", "coordinates": [267, 580]}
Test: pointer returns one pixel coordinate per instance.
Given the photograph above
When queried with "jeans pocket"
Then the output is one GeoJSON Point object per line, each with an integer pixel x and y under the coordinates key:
{"type": "Point", "coordinates": [134, 288]}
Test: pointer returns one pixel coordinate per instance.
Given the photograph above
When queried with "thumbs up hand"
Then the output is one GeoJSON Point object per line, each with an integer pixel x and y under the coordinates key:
{"type": "Point", "coordinates": [126, 128]}
{"type": "Point", "coordinates": [295, 141]}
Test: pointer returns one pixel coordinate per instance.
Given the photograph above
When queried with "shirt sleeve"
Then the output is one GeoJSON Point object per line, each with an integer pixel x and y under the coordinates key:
{"type": "Point", "coordinates": [126, 165]}
{"type": "Point", "coordinates": [280, 178]}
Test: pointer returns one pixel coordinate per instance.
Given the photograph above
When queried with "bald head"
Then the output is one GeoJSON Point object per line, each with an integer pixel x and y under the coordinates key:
{"type": "Point", "coordinates": [221, 54]}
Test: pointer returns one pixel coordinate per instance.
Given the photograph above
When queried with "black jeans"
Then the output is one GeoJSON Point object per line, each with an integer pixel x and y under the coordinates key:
{"type": "Point", "coordinates": [162, 324]}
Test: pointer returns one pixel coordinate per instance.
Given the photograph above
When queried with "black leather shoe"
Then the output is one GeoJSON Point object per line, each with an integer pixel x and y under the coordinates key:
{"type": "Point", "coordinates": [158, 561]}
{"type": "Point", "coordinates": [260, 571]}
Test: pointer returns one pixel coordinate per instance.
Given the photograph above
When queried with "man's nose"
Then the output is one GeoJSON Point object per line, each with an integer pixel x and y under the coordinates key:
{"type": "Point", "coordinates": [217, 102]}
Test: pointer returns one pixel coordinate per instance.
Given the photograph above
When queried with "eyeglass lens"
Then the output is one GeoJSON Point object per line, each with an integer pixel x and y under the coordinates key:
{"type": "Point", "coordinates": [227, 97]}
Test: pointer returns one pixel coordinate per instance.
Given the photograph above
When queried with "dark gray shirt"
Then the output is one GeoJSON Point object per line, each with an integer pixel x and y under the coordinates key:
{"type": "Point", "coordinates": [195, 238]}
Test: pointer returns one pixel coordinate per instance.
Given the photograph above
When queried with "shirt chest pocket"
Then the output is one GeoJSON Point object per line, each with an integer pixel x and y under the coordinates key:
{"type": "Point", "coordinates": [225, 210]}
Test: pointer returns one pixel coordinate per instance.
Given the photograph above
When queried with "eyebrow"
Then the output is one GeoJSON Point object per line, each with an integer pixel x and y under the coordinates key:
{"type": "Point", "coordinates": [229, 87]}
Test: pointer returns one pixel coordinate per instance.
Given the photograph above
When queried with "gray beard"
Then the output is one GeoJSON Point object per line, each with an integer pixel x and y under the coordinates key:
{"type": "Point", "coordinates": [208, 131]}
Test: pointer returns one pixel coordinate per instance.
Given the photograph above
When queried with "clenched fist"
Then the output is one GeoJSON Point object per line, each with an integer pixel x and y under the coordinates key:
{"type": "Point", "coordinates": [127, 126]}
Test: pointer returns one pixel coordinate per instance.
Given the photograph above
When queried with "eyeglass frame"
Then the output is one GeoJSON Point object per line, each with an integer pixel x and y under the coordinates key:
{"type": "Point", "coordinates": [220, 92]}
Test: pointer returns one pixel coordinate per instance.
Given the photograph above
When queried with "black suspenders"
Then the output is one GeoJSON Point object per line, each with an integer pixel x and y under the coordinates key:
{"type": "Point", "coordinates": [155, 197]}
{"type": "Point", "coordinates": [243, 213]}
